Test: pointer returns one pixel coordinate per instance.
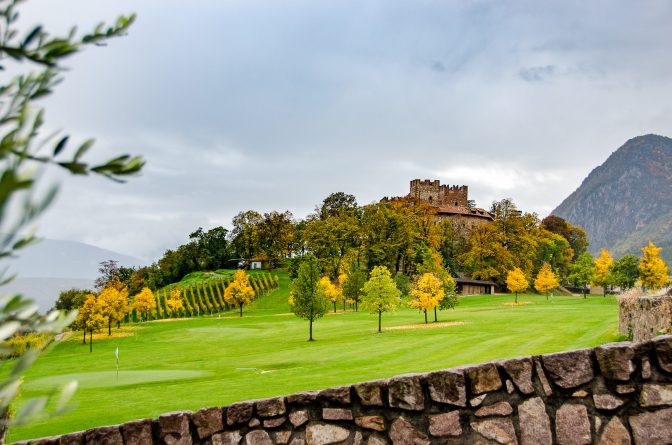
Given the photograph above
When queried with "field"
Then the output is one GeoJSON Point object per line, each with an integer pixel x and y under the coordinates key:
{"type": "Point", "coordinates": [188, 364]}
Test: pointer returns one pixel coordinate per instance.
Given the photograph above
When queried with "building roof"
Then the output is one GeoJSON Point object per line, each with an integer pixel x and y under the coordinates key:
{"type": "Point", "coordinates": [461, 210]}
{"type": "Point", "coordinates": [468, 281]}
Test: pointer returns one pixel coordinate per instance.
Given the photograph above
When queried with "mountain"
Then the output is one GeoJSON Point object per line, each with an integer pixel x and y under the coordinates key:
{"type": "Point", "coordinates": [627, 201]}
{"type": "Point", "coordinates": [50, 266]}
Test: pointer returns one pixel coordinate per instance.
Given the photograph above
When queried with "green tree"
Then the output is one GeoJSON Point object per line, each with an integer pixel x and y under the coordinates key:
{"type": "Point", "coordinates": [246, 233]}
{"type": "Point", "coordinates": [309, 300]}
{"type": "Point", "coordinates": [516, 282]}
{"type": "Point", "coordinates": [380, 293]}
{"type": "Point", "coordinates": [354, 283]}
{"type": "Point", "coordinates": [581, 272]}
{"type": "Point", "coordinates": [625, 271]}
{"type": "Point", "coordinates": [32, 63]}
{"type": "Point", "coordinates": [71, 299]}
{"type": "Point", "coordinates": [277, 236]}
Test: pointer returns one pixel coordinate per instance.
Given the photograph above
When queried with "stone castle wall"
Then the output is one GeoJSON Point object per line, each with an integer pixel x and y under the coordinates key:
{"type": "Point", "coordinates": [643, 317]}
{"type": "Point", "coordinates": [613, 394]}
{"type": "Point", "coordinates": [433, 192]}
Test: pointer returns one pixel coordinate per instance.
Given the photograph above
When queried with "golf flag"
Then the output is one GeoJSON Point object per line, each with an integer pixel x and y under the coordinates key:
{"type": "Point", "coordinates": [116, 353]}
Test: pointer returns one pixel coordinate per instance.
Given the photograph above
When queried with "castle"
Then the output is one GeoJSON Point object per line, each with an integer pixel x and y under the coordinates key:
{"type": "Point", "coordinates": [451, 202]}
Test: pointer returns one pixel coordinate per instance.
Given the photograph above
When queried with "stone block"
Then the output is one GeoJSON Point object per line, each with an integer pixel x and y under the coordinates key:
{"type": "Point", "coordinates": [298, 418]}
{"type": "Point", "coordinates": [615, 360]}
{"type": "Point", "coordinates": [496, 409]}
{"type": "Point", "coordinates": [282, 437]}
{"type": "Point", "coordinates": [447, 387]}
{"type": "Point", "coordinates": [72, 439]}
{"type": "Point", "coordinates": [371, 393]}
{"type": "Point", "coordinates": [227, 438]}
{"type": "Point", "coordinates": [137, 433]}
{"type": "Point", "coordinates": [615, 433]}
{"type": "Point", "coordinates": [570, 369]}
{"type": "Point", "coordinates": [520, 371]}
{"type": "Point", "coordinates": [542, 378]}
{"type": "Point", "coordinates": [572, 426]}
{"type": "Point", "coordinates": [338, 395]}
{"type": "Point", "coordinates": [336, 414]}
{"type": "Point", "coordinates": [663, 348]}
{"type": "Point", "coordinates": [271, 407]}
{"type": "Point", "coordinates": [320, 434]}
{"type": "Point", "coordinates": [646, 368]}
{"type": "Point", "coordinates": [107, 435]}
{"type": "Point", "coordinates": [655, 395]}
{"type": "Point", "coordinates": [535, 426]}
{"type": "Point", "coordinates": [376, 440]}
{"type": "Point", "coordinates": [274, 423]}
{"type": "Point", "coordinates": [254, 423]}
{"type": "Point", "coordinates": [447, 424]}
{"type": "Point", "coordinates": [302, 398]}
{"type": "Point", "coordinates": [258, 437]}
{"type": "Point", "coordinates": [405, 392]}
{"type": "Point", "coordinates": [498, 429]}
{"type": "Point", "coordinates": [174, 428]}
{"type": "Point", "coordinates": [403, 432]}
{"type": "Point", "coordinates": [652, 428]}
{"type": "Point", "coordinates": [607, 402]}
{"type": "Point", "coordinates": [484, 378]}
{"type": "Point", "coordinates": [208, 421]}
{"type": "Point", "coordinates": [376, 423]}
{"type": "Point", "coordinates": [239, 413]}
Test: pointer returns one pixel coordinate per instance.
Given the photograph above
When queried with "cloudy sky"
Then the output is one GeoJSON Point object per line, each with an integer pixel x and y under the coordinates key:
{"type": "Point", "coordinates": [275, 104]}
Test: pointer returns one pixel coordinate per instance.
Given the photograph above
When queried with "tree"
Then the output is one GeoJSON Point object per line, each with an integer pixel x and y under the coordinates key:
{"type": "Point", "coordinates": [432, 262]}
{"type": "Point", "coordinates": [144, 302]}
{"type": "Point", "coordinates": [601, 275]}
{"type": "Point", "coordinates": [174, 301]}
{"type": "Point", "coordinates": [653, 272]}
{"type": "Point", "coordinates": [581, 272]}
{"type": "Point", "coordinates": [310, 301]}
{"type": "Point", "coordinates": [109, 275]}
{"type": "Point", "coordinates": [380, 293]}
{"type": "Point", "coordinates": [625, 271]}
{"type": "Point", "coordinates": [354, 283]}
{"type": "Point", "coordinates": [91, 317]}
{"type": "Point", "coordinates": [516, 282]}
{"type": "Point", "coordinates": [333, 293]}
{"type": "Point", "coordinates": [575, 236]}
{"type": "Point", "coordinates": [427, 293]}
{"type": "Point", "coordinates": [246, 233]}
{"type": "Point", "coordinates": [546, 280]}
{"type": "Point", "coordinates": [114, 305]}
{"type": "Point", "coordinates": [239, 291]}
{"type": "Point", "coordinates": [32, 63]}
{"type": "Point", "coordinates": [277, 235]}
{"type": "Point", "coordinates": [71, 299]}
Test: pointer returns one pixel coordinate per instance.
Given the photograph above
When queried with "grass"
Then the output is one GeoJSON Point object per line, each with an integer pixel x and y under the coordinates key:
{"type": "Point", "coordinates": [211, 361]}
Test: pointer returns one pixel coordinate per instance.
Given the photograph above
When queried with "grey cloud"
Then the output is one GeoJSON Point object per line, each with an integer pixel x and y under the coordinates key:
{"type": "Point", "coordinates": [537, 73]}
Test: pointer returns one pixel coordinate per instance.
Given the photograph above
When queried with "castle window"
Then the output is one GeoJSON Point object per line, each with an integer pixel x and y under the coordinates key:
{"type": "Point", "coordinates": [455, 203]}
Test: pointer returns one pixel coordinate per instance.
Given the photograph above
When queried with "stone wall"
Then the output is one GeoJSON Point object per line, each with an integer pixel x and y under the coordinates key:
{"type": "Point", "coordinates": [617, 393]}
{"type": "Point", "coordinates": [644, 317]}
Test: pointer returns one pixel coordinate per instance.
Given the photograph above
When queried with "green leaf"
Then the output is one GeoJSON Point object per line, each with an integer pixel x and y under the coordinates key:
{"type": "Point", "coordinates": [61, 145]}
{"type": "Point", "coordinates": [29, 38]}
{"type": "Point", "coordinates": [83, 149]}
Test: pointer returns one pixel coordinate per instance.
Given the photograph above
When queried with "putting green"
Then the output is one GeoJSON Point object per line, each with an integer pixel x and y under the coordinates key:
{"type": "Point", "coordinates": [103, 379]}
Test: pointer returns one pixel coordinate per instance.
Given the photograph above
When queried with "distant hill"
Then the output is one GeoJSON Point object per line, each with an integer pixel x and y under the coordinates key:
{"type": "Point", "coordinates": [50, 266]}
{"type": "Point", "coordinates": [627, 201]}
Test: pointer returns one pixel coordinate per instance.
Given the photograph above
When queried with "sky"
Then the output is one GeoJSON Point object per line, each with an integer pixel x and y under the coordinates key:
{"type": "Point", "coordinates": [273, 105]}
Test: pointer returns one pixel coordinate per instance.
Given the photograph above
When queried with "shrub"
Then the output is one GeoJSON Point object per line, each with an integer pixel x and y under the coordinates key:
{"type": "Point", "coordinates": [20, 343]}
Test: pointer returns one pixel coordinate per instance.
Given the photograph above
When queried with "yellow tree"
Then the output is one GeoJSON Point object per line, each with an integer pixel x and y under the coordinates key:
{"type": "Point", "coordinates": [174, 301]}
{"type": "Point", "coordinates": [115, 305]}
{"type": "Point", "coordinates": [342, 278]}
{"type": "Point", "coordinates": [546, 280]}
{"type": "Point", "coordinates": [144, 302]}
{"type": "Point", "coordinates": [516, 281]}
{"type": "Point", "coordinates": [380, 293]}
{"type": "Point", "coordinates": [91, 317]}
{"type": "Point", "coordinates": [427, 293]}
{"type": "Point", "coordinates": [601, 275]}
{"type": "Point", "coordinates": [239, 291]}
{"type": "Point", "coordinates": [653, 271]}
{"type": "Point", "coordinates": [331, 290]}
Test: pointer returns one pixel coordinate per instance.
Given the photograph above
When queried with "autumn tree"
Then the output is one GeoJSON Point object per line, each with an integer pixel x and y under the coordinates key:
{"type": "Point", "coordinates": [546, 280]}
{"type": "Point", "coordinates": [516, 282]}
{"type": "Point", "coordinates": [575, 235]}
{"type": "Point", "coordinates": [114, 304]}
{"type": "Point", "coordinates": [380, 293]}
{"type": "Point", "coordinates": [653, 272]}
{"type": "Point", "coordinates": [625, 271]}
{"type": "Point", "coordinates": [246, 233]}
{"type": "Point", "coordinates": [144, 302]}
{"type": "Point", "coordinates": [308, 298]}
{"type": "Point", "coordinates": [601, 275]}
{"type": "Point", "coordinates": [239, 291]}
{"type": "Point", "coordinates": [432, 262]}
{"type": "Point", "coordinates": [354, 283]}
{"type": "Point", "coordinates": [333, 293]}
{"type": "Point", "coordinates": [174, 301]}
{"type": "Point", "coordinates": [581, 272]}
{"type": "Point", "coordinates": [427, 293]}
{"type": "Point", "coordinates": [277, 235]}
{"type": "Point", "coordinates": [91, 317]}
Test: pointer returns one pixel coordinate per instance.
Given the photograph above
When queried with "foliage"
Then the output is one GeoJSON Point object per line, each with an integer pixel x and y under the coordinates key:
{"type": "Point", "coordinates": [353, 283]}
{"type": "Point", "coordinates": [239, 291]}
{"type": "Point", "coordinates": [581, 272]}
{"type": "Point", "coordinates": [309, 300]}
{"type": "Point", "coordinates": [144, 302]}
{"type": "Point", "coordinates": [246, 233]}
{"type": "Point", "coordinates": [380, 293]}
{"type": "Point", "coordinates": [71, 299]}
{"type": "Point", "coordinates": [114, 304]}
{"type": "Point", "coordinates": [276, 236]}
{"type": "Point", "coordinates": [19, 344]}
{"type": "Point", "coordinates": [653, 272]}
{"type": "Point", "coordinates": [333, 292]}
{"type": "Point", "coordinates": [625, 271]}
{"type": "Point", "coordinates": [575, 236]}
{"type": "Point", "coordinates": [427, 293]}
{"type": "Point", "coordinates": [601, 275]}
{"type": "Point", "coordinates": [516, 281]}
{"type": "Point", "coordinates": [546, 280]}
{"type": "Point", "coordinates": [91, 317]}
{"type": "Point", "coordinates": [174, 301]}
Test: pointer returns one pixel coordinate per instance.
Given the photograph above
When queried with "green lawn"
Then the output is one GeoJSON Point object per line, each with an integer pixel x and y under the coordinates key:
{"type": "Point", "coordinates": [194, 363]}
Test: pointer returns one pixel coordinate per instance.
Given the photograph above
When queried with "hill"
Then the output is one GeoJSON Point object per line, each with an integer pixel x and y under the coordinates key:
{"type": "Point", "coordinates": [627, 201]}
{"type": "Point", "coordinates": [51, 266]}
